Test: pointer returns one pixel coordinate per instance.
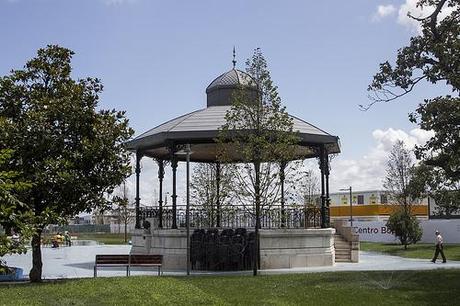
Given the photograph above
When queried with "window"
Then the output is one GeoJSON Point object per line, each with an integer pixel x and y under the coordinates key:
{"type": "Point", "coordinates": [360, 199]}
{"type": "Point", "coordinates": [383, 199]}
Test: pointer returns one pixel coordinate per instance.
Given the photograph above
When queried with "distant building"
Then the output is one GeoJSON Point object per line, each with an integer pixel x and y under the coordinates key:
{"type": "Point", "coordinates": [370, 205]}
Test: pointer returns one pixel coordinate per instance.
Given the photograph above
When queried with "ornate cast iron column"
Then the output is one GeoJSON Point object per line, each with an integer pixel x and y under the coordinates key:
{"type": "Point", "coordinates": [328, 200]}
{"type": "Point", "coordinates": [218, 212]}
{"type": "Point", "coordinates": [322, 166]}
{"type": "Point", "coordinates": [138, 199]}
{"type": "Point", "coordinates": [161, 175]}
{"type": "Point", "coordinates": [174, 193]}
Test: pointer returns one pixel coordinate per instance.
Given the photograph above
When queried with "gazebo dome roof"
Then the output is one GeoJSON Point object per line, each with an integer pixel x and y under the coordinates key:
{"type": "Point", "coordinates": [201, 128]}
{"type": "Point", "coordinates": [231, 79]}
{"type": "Point", "coordinates": [220, 92]}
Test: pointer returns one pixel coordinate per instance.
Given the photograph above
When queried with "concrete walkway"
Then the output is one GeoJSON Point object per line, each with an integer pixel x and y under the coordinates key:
{"type": "Point", "coordinates": [78, 261]}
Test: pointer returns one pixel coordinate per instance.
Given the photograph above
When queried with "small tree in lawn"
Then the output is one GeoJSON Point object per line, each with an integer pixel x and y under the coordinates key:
{"type": "Point", "coordinates": [72, 153]}
{"type": "Point", "coordinates": [400, 184]}
{"type": "Point", "coordinates": [123, 209]}
{"type": "Point", "coordinates": [261, 131]}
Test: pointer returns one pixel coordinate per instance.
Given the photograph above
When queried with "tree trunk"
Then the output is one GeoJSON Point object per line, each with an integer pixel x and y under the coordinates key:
{"type": "Point", "coordinates": [35, 273]}
{"type": "Point", "coordinates": [257, 192]}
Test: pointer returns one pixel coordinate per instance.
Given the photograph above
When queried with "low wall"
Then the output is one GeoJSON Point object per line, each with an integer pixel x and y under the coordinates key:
{"type": "Point", "coordinates": [281, 248]}
{"type": "Point", "coordinates": [172, 244]}
{"type": "Point", "coordinates": [377, 231]}
{"type": "Point", "coordinates": [296, 248]}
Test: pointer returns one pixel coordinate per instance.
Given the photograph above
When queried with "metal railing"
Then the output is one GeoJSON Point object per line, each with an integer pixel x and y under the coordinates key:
{"type": "Point", "coordinates": [238, 217]}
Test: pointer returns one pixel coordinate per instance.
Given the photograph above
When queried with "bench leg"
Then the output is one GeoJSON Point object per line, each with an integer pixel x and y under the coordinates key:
{"type": "Point", "coordinates": [95, 271]}
{"type": "Point", "coordinates": [127, 270]}
{"type": "Point", "coordinates": [159, 269]}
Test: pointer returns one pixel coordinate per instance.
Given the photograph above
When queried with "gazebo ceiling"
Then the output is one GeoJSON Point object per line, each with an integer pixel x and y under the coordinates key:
{"type": "Point", "coordinates": [200, 128]}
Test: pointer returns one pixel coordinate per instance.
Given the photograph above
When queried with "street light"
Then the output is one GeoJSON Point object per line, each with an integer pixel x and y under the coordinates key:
{"type": "Point", "coordinates": [187, 152]}
{"type": "Point", "coordinates": [351, 204]}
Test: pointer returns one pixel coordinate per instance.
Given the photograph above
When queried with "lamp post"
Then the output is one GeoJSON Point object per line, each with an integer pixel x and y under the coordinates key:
{"type": "Point", "coordinates": [187, 152]}
{"type": "Point", "coordinates": [351, 204]}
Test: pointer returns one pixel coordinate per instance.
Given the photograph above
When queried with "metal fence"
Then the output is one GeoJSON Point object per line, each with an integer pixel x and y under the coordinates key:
{"type": "Point", "coordinates": [238, 217]}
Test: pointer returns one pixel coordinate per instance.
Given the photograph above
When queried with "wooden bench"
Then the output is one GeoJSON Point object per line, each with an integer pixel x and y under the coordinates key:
{"type": "Point", "coordinates": [128, 261]}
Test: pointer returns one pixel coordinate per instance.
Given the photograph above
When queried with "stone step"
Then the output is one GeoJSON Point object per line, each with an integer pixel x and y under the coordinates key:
{"type": "Point", "coordinates": [342, 260]}
{"type": "Point", "coordinates": [342, 255]}
{"type": "Point", "coordinates": [342, 252]}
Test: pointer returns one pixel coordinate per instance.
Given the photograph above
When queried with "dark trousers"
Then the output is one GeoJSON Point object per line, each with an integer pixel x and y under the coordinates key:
{"type": "Point", "coordinates": [436, 253]}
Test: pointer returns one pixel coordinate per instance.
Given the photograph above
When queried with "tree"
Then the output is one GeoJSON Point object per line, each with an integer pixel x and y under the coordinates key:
{"type": "Point", "coordinates": [434, 56]}
{"type": "Point", "coordinates": [9, 220]}
{"type": "Point", "coordinates": [434, 184]}
{"type": "Point", "coordinates": [399, 174]}
{"type": "Point", "coordinates": [261, 131]}
{"type": "Point", "coordinates": [123, 209]}
{"type": "Point", "coordinates": [72, 153]}
{"type": "Point", "coordinates": [405, 226]}
{"type": "Point", "coordinates": [204, 189]}
{"type": "Point", "coordinates": [405, 191]}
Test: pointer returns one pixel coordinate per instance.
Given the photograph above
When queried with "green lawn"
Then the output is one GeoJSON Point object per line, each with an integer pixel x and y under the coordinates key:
{"type": "Point", "coordinates": [419, 250]}
{"type": "Point", "coordinates": [105, 238]}
{"type": "Point", "coordinates": [436, 287]}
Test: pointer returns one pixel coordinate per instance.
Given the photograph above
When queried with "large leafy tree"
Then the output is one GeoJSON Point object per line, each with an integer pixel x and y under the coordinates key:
{"type": "Point", "coordinates": [70, 151]}
{"type": "Point", "coordinates": [434, 56]}
{"type": "Point", "coordinates": [11, 219]}
{"type": "Point", "coordinates": [433, 183]}
{"type": "Point", "coordinates": [261, 131]}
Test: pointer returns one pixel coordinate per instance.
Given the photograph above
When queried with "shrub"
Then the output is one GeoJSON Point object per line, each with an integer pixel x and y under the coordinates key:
{"type": "Point", "coordinates": [405, 227]}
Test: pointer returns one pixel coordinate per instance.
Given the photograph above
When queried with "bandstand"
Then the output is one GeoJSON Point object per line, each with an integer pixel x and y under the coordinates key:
{"type": "Point", "coordinates": [299, 238]}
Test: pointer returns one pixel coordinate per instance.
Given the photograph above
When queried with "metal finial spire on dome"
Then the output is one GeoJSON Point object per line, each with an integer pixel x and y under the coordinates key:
{"type": "Point", "coordinates": [234, 55]}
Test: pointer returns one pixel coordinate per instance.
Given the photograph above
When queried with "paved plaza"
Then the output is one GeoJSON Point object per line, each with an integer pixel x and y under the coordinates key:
{"type": "Point", "coordinates": [78, 261]}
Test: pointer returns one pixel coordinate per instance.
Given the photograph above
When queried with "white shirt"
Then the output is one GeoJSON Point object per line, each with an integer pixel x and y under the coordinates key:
{"type": "Point", "coordinates": [439, 239]}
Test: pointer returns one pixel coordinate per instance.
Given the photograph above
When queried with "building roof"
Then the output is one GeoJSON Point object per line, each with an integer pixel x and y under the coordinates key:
{"type": "Point", "coordinates": [231, 79]}
{"type": "Point", "coordinates": [200, 128]}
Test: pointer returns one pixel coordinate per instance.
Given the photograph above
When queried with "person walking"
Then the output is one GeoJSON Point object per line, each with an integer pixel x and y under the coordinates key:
{"type": "Point", "coordinates": [439, 248]}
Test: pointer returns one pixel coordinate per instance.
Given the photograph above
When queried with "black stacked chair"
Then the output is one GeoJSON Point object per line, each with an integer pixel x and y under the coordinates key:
{"type": "Point", "coordinates": [229, 250]}
{"type": "Point", "coordinates": [211, 249]}
{"type": "Point", "coordinates": [237, 252]}
{"type": "Point", "coordinates": [197, 251]}
{"type": "Point", "coordinates": [250, 250]}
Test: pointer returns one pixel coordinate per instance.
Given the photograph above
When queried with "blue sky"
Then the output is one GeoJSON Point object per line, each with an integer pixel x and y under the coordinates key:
{"type": "Point", "coordinates": [156, 58]}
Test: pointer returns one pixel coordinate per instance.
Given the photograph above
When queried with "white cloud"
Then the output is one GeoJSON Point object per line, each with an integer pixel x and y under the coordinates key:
{"type": "Point", "coordinates": [368, 172]}
{"type": "Point", "coordinates": [384, 11]}
{"type": "Point", "coordinates": [410, 7]}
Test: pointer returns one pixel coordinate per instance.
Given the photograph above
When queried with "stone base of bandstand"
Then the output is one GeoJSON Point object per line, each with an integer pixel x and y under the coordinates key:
{"type": "Point", "coordinates": [279, 248]}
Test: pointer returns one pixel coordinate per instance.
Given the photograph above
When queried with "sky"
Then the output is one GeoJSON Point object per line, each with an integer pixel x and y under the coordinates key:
{"type": "Point", "coordinates": [155, 59]}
